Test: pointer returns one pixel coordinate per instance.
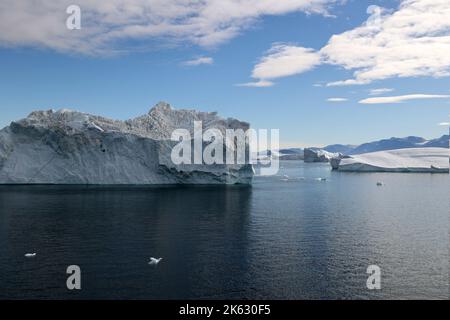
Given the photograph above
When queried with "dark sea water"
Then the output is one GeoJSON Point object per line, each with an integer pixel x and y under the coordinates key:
{"type": "Point", "coordinates": [291, 237]}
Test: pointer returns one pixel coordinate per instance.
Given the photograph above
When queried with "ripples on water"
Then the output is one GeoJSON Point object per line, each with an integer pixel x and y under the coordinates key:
{"type": "Point", "coordinates": [289, 236]}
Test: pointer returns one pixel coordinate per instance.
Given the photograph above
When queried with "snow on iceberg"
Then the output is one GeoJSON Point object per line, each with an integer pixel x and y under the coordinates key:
{"type": "Point", "coordinates": [70, 147]}
{"type": "Point", "coordinates": [319, 155]}
{"type": "Point", "coordinates": [434, 160]}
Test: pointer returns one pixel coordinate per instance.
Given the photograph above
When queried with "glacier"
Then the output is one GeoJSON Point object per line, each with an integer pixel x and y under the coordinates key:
{"type": "Point", "coordinates": [432, 160]}
{"type": "Point", "coordinates": [70, 147]}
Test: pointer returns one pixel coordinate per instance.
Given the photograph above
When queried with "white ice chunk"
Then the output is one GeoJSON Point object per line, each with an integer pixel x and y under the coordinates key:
{"type": "Point", "coordinates": [400, 160]}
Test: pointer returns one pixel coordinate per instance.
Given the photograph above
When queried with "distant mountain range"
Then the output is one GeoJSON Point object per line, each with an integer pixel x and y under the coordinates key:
{"type": "Point", "coordinates": [380, 145]}
{"type": "Point", "coordinates": [396, 143]}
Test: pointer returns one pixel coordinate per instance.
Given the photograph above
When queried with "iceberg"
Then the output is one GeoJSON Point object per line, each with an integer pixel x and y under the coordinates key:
{"type": "Point", "coordinates": [319, 155]}
{"type": "Point", "coordinates": [433, 160]}
{"type": "Point", "coordinates": [70, 147]}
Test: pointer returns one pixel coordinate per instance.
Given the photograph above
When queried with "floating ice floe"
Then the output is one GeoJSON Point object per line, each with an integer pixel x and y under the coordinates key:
{"type": "Point", "coordinates": [154, 261]}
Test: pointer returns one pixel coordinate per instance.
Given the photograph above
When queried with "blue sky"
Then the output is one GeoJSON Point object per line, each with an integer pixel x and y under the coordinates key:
{"type": "Point", "coordinates": [39, 73]}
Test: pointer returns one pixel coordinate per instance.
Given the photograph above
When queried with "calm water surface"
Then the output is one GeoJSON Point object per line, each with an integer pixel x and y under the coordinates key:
{"type": "Point", "coordinates": [289, 236]}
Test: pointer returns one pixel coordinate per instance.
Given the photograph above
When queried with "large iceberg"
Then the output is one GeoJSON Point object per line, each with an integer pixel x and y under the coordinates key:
{"type": "Point", "coordinates": [434, 160]}
{"type": "Point", "coordinates": [69, 147]}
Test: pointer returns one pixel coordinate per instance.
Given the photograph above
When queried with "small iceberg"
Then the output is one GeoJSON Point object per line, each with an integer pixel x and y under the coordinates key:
{"type": "Point", "coordinates": [319, 155]}
{"type": "Point", "coordinates": [154, 261]}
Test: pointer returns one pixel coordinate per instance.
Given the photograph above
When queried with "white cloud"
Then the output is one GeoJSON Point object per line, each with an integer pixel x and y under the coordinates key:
{"type": "Point", "coordinates": [349, 82]}
{"type": "Point", "coordinates": [104, 23]}
{"type": "Point", "coordinates": [400, 99]}
{"type": "Point", "coordinates": [199, 61]}
{"type": "Point", "coordinates": [256, 84]}
{"type": "Point", "coordinates": [412, 41]}
{"type": "Point", "coordinates": [376, 92]}
{"type": "Point", "coordinates": [284, 60]}
{"type": "Point", "coordinates": [337, 99]}
{"type": "Point", "coordinates": [444, 124]}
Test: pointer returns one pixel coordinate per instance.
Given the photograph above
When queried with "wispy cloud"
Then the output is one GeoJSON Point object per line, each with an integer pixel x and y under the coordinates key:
{"type": "Point", "coordinates": [411, 41]}
{"type": "Point", "coordinates": [199, 61]}
{"type": "Point", "coordinates": [376, 92]}
{"type": "Point", "coordinates": [256, 84]}
{"type": "Point", "coordinates": [400, 99]}
{"type": "Point", "coordinates": [337, 99]}
{"type": "Point", "coordinates": [106, 23]}
{"type": "Point", "coordinates": [444, 124]}
{"type": "Point", "coordinates": [349, 82]}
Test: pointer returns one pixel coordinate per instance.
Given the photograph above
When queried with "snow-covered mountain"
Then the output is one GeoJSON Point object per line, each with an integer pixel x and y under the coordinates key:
{"type": "Point", "coordinates": [340, 148]}
{"type": "Point", "coordinates": [69, 147]}
{"type": "Point", "coordinates": [442, 142]}
{"type": "Point", "coordinates": [379, 145]}
{"type": "Point", "coordinates": [400, 143]}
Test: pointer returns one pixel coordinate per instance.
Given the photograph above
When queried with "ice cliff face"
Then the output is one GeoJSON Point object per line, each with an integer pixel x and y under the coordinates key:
{"type": "Point", "coordinates": [69, 147]}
